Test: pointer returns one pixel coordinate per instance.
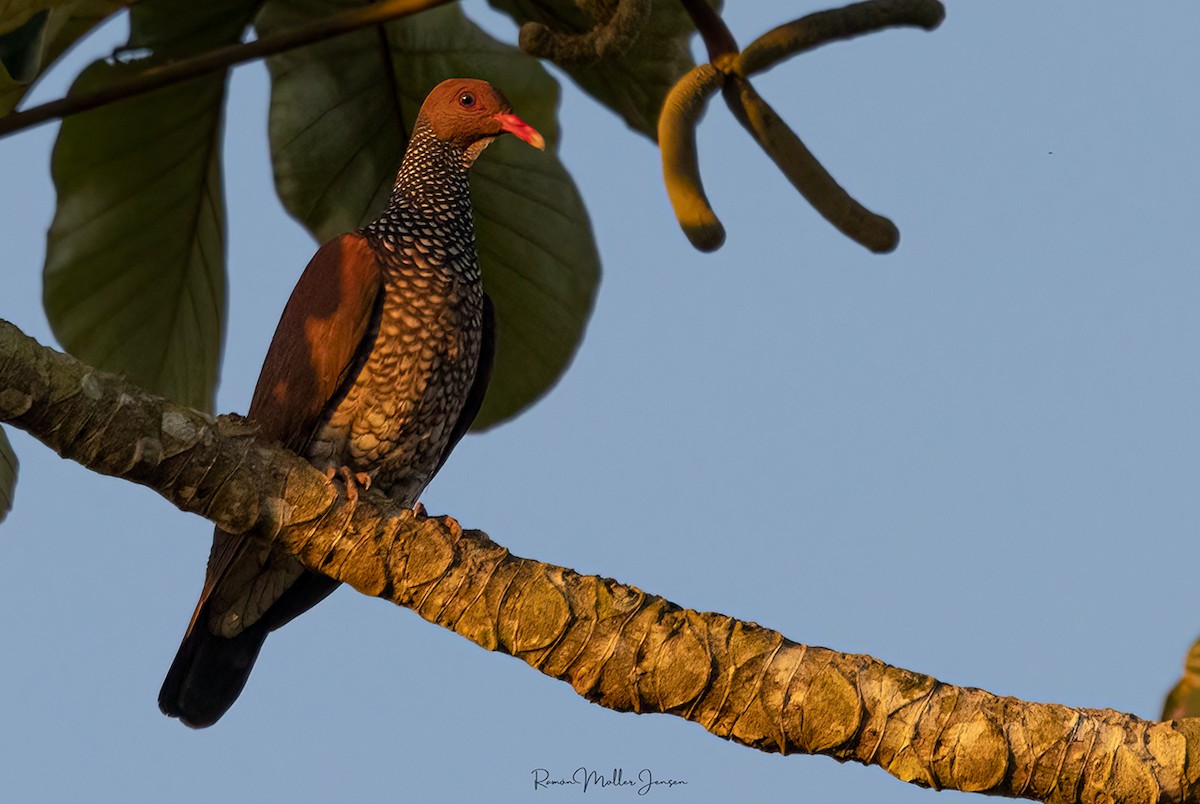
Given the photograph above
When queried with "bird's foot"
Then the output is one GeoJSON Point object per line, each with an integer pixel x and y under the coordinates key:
{"type": "Point", "coordinates": [352, 480]}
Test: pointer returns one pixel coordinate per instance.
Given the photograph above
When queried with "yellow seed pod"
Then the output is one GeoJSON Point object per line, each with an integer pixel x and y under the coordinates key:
{"type": "Point", "coordinates": [835, 25]}
{"type": "Point", "coordinates": [681, 112]}
{"type": "Point", "coordinates": [806, 174]}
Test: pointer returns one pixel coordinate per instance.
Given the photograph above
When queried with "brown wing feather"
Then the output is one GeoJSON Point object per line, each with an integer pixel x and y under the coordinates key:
{"type": "Point", "coordinates": [317, 339]}
{"type": "Point", "coordinates": [313, 349]}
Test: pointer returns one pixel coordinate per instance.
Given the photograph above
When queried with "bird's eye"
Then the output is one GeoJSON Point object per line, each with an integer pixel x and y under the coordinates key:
{"type": "Point", "coordinates": [466, 100]}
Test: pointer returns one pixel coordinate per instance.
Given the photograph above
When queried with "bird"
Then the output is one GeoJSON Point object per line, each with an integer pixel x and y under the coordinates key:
{"type": "Point", "coordinates": [377, 368]}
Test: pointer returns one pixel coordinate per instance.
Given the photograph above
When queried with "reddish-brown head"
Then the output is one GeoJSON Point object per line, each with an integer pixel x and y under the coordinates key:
{"type": "Point", "coordinates": [466, 111]}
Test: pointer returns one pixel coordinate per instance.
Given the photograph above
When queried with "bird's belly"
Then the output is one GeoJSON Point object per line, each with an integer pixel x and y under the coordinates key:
{"type": "Point", "coordinates": [398, 410]}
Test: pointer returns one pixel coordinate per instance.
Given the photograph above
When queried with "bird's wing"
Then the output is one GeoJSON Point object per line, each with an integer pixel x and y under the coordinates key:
{"type": "Point", "coordinates": [313, 350]}
{"type": "Point", "coordinates": [483, 374]}
{"type": "Point", "coordinates": [317, 340]}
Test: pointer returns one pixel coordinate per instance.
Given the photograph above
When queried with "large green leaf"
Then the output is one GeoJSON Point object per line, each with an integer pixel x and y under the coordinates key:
{"type": "Point", "coordinates": [15, 14]}
{"type": "Point", "coordinates": [340, 114]}
{"type": "Point", "coordinates": [135, 275]}
{"type": "Point", "coordinates": [33, 35]}
{"type": "Point", "coordinates": [8, 475]}
{"type": "Point", "coordinates": [21, 48]}
{"type": "Point", "coordinates": [634, 84]}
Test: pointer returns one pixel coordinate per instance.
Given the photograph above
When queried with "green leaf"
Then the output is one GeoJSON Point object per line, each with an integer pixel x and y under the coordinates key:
{"type": "Point", "coordinates": [135, 274]}
{"type": "Point", "coordinates": [8, 475]}
{"type": "Point", "coordinates": [32, 41]}
{"type": "Point", "coordinates": [340, 115]}
{"type": "Point", "coordinates": [16, 14]}
{"type": "Point", "coordinates": [20, 50]}
{"type": "Point", "coordinates": [634, 84]}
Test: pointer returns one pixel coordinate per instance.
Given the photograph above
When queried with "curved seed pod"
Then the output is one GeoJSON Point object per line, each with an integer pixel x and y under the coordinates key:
{"type": "Point", "coordinates": [836, 24]}
{"type": "Point", "coordinates": [806, 174]}
{"type": "Point", "coordinates": [618, 24]}
{"type": "Point", "coordinates": [681, 112]}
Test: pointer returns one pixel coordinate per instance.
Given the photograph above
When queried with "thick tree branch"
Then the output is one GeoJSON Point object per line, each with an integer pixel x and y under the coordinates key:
{"type": "Point", "coordinates": [215, 60]}
{"type": "Point", "coordinates": [615, 644]}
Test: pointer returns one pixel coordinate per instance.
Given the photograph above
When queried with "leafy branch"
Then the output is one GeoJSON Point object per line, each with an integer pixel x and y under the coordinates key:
{"type": "Point", "coordinates": [216, 60]}
{"type": "Point", "coordinates": [617, 645]}
{"type": "Point", "coordinates": [616, 25]}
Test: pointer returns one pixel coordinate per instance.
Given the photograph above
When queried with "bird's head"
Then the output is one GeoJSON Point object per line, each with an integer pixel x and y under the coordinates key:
{"type": "Point", "coordinates": [470, 113]}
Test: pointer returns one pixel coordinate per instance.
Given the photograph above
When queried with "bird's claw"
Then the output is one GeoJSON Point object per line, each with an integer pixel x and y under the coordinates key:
{"type": "Point", "coordinates": [351, 478]}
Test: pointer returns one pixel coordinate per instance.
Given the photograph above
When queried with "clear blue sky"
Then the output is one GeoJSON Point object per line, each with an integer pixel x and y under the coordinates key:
{"type": "Point", "coordinates": [977, 457]}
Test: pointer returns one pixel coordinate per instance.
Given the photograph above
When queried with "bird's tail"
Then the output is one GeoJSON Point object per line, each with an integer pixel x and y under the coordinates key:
{"type": "Point", "coordinates": [209, 671]}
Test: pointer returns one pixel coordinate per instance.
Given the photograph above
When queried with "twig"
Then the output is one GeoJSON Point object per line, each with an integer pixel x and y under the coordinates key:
{"type": "Point", "coordinates": [610, 36]}
{"type": "Point", "coordinates": [214, 60]}
{"type": "Point", "coordinates": [713, 30]}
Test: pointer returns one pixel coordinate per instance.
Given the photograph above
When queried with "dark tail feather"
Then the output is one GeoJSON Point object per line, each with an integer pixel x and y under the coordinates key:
{"type": "Point", "coordinates": [209, 671]}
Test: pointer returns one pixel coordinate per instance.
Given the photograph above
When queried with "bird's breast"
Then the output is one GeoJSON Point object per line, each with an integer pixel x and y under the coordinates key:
{"type": "Point", "coordinates": [396, 410]}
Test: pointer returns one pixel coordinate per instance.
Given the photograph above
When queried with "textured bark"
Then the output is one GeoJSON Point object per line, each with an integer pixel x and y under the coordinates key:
{"type": "Point", "coordinates": [616, 645]}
